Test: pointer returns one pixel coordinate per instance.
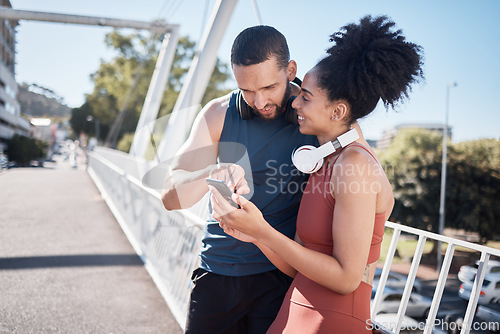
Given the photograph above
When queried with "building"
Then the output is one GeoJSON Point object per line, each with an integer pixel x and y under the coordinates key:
{"type": "Point", "coordinates": [389, 134]}
{"type": "Point", "coordinates": [43, 129]}
{"type": "Point", "coordinates": [11, 121]}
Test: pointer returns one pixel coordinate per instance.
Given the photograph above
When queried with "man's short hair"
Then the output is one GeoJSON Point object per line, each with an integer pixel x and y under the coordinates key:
{"type": "Point", "coordinates": [257, 44]}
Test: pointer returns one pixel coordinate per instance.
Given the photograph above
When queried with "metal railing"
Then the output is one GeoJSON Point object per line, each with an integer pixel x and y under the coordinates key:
{"type": "Point", "coordinates": [423, 236]}
{"type": "Point", "coordinates": [168, 241]}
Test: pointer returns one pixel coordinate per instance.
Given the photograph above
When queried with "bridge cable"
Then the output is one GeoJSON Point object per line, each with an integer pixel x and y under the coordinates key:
{"type": "Point", "coordinates": [257, 12]}
{"type": "Point", "coordinates": [112, 137]}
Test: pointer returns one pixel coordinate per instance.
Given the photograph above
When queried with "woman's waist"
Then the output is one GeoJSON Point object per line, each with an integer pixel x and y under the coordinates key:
{"type": "Point", "coordinates": [306, 292]}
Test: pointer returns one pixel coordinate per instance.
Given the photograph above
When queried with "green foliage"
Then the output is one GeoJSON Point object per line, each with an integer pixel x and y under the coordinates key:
{"type": "Point", "coordinates": [473, 187]}
{"type": "Point", "coordinates": [122, 83]}
{"type": "Point", "coordinates": [126, 142]}
{"type": "Point", "coordinates": [124, 44]}
{"type": "Point", "coordinates": [78, 120]}
{"type": "Point", "coordinates": [483, 153]}
{"type": "Point", "coordinates": [152, 149]}
{"type": "Point", "coordinates": [22, 149]}
{"type": "Point", "coordinates": [413, 166]}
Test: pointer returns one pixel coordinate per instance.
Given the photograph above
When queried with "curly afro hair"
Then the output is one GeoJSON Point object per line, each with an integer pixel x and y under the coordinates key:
{"type": "Point", "coordinates": [369, 61]}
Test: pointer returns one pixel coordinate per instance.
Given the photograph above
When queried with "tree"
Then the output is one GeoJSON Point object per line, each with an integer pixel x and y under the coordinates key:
{"type": "Point", "coordinates": [121, 84]}
{"type": "Point", "coordinates": [483, 153]}
{"type": "Point", "coordinates": [78, 120]}
{"type": "Point", "coordinates": [473, 187]}
{"type": "Point", "coordinates": [133, 67]}
{"type": "Point", "coordinates": [23, 150]}
{"type": "Point", "coordinates": [413, 166]}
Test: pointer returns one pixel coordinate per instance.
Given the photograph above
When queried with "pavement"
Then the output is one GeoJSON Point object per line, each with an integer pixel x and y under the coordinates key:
{"type": "Point", "coordinates": [65, 264]}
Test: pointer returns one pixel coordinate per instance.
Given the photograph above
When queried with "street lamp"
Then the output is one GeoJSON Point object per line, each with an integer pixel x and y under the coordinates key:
{"type": "Point", "coordinates": [443, 174]}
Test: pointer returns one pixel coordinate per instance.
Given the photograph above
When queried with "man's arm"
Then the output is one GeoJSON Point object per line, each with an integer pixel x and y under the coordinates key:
{"type": "Point", "coordinates": [185, 183]}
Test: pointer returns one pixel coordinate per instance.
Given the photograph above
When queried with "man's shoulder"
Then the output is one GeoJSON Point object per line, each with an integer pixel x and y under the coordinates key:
{"type": "Point", "coordinates": [218, 106]}
{"type": "Point", "coordinates": [214, 113]}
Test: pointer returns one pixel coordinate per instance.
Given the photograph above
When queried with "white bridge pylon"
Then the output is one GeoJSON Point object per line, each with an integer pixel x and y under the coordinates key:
{"type": "Point", "coordinates": [194, 87]}
{"type": "Point", "coordinates": [197, 80]}
{"type": "Point", "coordinates": [156, 87]}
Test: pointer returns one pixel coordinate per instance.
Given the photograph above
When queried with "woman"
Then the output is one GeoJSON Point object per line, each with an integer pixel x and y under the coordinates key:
{"type": "Point", "coordinates": [346, 203]}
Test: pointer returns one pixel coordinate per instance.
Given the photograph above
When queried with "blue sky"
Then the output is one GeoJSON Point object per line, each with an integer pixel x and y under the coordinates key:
{"type": "Point", "coordinates": [461, 40]}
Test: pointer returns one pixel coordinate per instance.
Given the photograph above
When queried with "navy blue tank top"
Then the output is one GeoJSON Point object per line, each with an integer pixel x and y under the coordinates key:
{"type": "Point", "coordinates": [263, 148]}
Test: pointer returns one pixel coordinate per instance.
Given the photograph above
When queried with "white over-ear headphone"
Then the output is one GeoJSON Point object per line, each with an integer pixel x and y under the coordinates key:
{"type": "Point", "coordinates": [309, 159]}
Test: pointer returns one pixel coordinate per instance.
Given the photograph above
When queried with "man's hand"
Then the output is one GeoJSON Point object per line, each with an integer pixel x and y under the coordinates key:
{"type": "Point", "coordinates": [234, 176]}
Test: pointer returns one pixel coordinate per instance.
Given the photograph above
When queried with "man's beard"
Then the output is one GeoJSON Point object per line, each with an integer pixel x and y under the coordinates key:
{"type": "Point", "coordinates": [279, 108]}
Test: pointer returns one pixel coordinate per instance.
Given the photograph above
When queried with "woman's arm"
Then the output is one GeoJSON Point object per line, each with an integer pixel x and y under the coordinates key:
{"type": "Point", "coordinates": [352, 231]}
{"type": "Point", "coordinates": [277, 260]}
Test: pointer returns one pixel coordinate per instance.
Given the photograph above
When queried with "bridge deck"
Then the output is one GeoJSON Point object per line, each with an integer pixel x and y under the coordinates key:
{"type": "Point", "coordinates": [65, 264]}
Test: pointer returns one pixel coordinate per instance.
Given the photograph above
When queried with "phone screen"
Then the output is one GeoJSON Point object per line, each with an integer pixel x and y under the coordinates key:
{"type": "Point", "coordinates": [223, 189]}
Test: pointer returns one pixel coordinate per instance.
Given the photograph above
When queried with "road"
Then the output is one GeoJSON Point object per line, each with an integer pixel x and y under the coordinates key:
{"type": "Point", "coordinates": [65, 264]}
{"type": "Point", "coordinates": [451, 304]}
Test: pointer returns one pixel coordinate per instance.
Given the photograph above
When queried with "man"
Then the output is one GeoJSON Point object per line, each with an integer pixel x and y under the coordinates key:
{"type": "Point", "coordinates": [236, 289]}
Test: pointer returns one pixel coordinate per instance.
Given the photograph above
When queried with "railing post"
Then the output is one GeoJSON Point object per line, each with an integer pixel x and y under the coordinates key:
{"type": "Point", "coordinates": [438, 293]}
{"type": "Point", "coordinates": [409, 283]}
{"type": "Point", "coordinates": [385, 271]}
{"type": "Point", "coordinates": [474, 295]}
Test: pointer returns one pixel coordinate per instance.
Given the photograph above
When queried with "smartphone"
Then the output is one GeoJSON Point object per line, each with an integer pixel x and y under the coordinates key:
{"type": "Point", "coordinates": [224, 190]}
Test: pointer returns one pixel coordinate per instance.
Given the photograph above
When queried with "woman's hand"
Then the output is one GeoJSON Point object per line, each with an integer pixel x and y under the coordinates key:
{"type": "Point", "coordinates": [233, 175]}
{"type": "Point", "coordinates": [246, 224]}
{"type": "Point", "coordinates": [236, 234]}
